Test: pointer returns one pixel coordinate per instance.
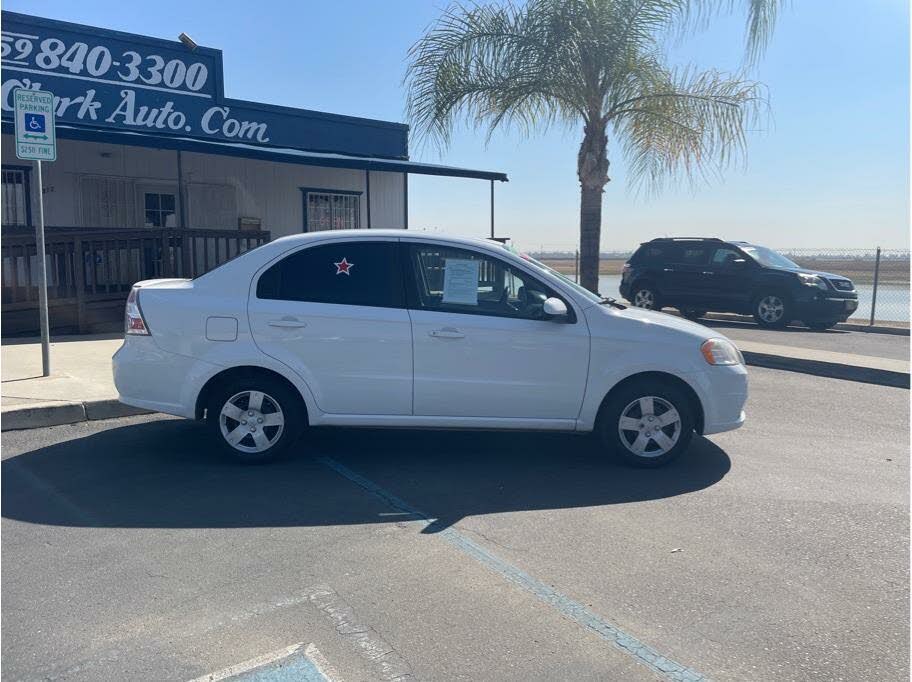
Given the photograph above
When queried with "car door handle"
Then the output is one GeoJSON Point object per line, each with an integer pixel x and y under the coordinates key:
{"type": "Point", "coordinates": [708, 272]}
{"type": "Point", "coordinates": [668, 270]}
{"type": "Point", "coordinates": [288, 323]}
{"type": "Point", "coordinates": [446, 333]}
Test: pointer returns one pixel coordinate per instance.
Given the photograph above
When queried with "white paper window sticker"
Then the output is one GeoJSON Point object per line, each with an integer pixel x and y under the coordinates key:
{"type": "Point", "coordinates": [460, 281]}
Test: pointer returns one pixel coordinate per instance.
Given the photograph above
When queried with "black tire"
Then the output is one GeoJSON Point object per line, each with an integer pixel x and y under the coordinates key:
{"type": "Point", "coordinates": [692, 313]}
{"type": "Point", "coordinates": [278, 399]}
{"type": "Point", "coordinates": [621, 404]}
{"type": "Point", "coordinates": [644, 295]}
{"type": "Point", "coordinates": [772, 309]}
{"type": "Point", "coordinates": [821, 326]}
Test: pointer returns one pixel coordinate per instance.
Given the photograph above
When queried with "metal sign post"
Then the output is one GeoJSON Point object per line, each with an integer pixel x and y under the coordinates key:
{"type": "Point", "coordinates": [36, 140]}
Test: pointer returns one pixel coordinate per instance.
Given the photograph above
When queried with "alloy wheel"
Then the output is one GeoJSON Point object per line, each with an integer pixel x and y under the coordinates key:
{"type": "Point", "coordinates": [251, 421]}
{"type": "Point", "coordinates": [644, 298]}
{"type": "Point", "coordinates": [770, 309]}
{"type": "Point", "coordinates": [649, 426]}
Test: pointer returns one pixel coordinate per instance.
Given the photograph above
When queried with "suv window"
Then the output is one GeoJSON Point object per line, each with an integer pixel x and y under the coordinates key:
{"type": "Point", "coordinates": [724, 256]}
{"type": "Point", "coordinates": [346, 273]}
{"type": "Point", "coordinates": [650, 253]}
{"type": "Point", "coordinates": [691, 254]}
{"type": "Point", "coordinates": [463, 281]}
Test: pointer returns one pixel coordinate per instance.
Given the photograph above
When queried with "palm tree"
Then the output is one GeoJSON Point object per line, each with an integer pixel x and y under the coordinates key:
{"type": "Point", "coordinates": [596, 62]}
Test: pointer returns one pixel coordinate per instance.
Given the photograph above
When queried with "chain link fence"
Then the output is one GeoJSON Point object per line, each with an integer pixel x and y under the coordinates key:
{"type": "Point", "coordinates": [881, 276]}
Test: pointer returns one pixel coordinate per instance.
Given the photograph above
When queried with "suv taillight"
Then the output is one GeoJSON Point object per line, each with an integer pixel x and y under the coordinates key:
{"type": "Point", "coordinates": [134, 322]}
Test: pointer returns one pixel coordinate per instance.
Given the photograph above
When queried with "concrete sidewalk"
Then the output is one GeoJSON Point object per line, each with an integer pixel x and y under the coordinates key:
{"type": "Point", "coordinates": [81, 386]}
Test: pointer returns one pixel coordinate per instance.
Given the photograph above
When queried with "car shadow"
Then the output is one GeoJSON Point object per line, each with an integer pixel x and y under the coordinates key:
{"type": "Point", "coordinates": [166, 474]}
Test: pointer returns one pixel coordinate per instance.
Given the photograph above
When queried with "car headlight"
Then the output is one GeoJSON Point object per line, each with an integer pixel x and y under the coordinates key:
{"type": "Point", "coordinates": [812, 281]}
{"type": "Point", "coordinates": [721, 352]}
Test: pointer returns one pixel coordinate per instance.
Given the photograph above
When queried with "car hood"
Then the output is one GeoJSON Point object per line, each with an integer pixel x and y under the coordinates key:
{"type": "Point", "coordinates": [805, 271]}
{"type": "Point", "coordinates": [660, 324]}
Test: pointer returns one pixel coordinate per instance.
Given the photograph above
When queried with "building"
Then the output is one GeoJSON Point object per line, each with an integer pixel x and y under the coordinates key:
{"type": "Point", "coordinates": [159, 174]}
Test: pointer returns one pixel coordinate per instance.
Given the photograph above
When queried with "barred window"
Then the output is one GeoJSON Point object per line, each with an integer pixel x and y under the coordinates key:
{"type": "Point", "coordinates": [328, 211]}
{"type": "Point", "coordinates": [15, 197]}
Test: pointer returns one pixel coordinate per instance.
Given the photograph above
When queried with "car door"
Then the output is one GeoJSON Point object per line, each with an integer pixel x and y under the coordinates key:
{"type": "Point", "coordinates": [726, 284]}
{"type": "Point", "coordinates": [483, 346]}
{"type": "Point", "coordinates": [335, 313]}
{"type": "Point", "coordinates": [685, 274]}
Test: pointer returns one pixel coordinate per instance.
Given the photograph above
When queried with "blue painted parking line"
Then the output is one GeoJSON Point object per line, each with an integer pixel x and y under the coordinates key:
{"type": "Point", "coordinates": [625, 642]}
{"type": "Point", "coordinates": [296, 663]}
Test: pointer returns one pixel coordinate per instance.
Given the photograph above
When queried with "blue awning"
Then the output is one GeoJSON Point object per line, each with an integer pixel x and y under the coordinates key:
{"type": "Point", "coordinates": [266, 153]}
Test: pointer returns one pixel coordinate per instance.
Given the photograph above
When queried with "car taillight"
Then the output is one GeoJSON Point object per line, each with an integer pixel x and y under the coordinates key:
{"type": "Point", "coordinates": [625, 271]}
{"type": "Point", "coordinates": [135, 324]}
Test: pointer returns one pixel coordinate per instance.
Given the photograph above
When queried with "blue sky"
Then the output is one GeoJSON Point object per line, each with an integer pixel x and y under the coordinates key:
{"type": "Point", "coordinates": [830, 171]}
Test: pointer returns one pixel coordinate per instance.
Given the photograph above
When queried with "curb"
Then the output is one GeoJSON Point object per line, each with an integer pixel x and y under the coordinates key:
{"type": "Point", "coordinates": [843, 326]}
{"type": "Point", "coordinates": [831, 370]}
{"type": "Point", "coordinates": [57, 413]}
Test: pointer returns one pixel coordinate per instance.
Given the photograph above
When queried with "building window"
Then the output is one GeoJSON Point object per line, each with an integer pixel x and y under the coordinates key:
{"type": "Point", "coordinates": [331, 211]}
{"type": "Point", "coordinates": [15, 197]}
{"type": "Point", "coordinates": [160, 210]}
{"type": "Point", "coordinates": [108, 202]}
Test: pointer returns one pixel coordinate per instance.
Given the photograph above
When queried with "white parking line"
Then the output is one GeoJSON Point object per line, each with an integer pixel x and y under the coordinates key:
{"type": "Point", "coordinates": [299, 662]}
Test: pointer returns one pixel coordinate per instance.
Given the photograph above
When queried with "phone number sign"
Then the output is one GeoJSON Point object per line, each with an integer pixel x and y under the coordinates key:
{"type": "Point", "coordinates": [36, 137]}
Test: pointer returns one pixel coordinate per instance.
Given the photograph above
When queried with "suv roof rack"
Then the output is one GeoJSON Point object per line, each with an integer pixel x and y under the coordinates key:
{"type": "Point", "coordinates": [674, 239]}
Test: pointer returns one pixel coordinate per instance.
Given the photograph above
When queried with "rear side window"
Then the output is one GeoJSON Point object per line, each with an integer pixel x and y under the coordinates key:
{"type": "Point", "coordinates": [344, 273]}
{"type": "Point", "coordinates": [650, 253]}
{"type": "Point", "coordinates": [692, 254]}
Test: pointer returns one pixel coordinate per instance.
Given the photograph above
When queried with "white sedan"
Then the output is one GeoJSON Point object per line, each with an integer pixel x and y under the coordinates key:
{"type": "Point", "coordinates": [390, 328]}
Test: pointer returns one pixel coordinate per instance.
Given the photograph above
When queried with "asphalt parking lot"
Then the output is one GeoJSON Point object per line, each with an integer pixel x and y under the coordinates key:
{"type": "Point", "coordinates": [132, 551]}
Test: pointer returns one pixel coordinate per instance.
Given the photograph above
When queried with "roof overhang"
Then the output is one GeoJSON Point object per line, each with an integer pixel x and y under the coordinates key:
{"type": "Point", "coordinates": [265, 153]}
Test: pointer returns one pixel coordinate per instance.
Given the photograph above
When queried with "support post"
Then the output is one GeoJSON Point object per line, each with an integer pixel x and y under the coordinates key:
{"type": "Point", "coordinates": [405, 199]}
{"type": "Point", "coordinates": [876, 278]}
{"type": "Point", "coordinates": [576, 267]}
{"type": "Point", "coordinates": [367, 182]}
{"type": "Point", "coordinates": [79, 274]}
{"type": "Point", "coordinates": [492, 209]}
{"type": "Point", "coordinates": [42, 283]}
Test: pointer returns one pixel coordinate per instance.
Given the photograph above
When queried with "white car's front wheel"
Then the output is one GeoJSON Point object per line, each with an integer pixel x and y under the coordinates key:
{"type": "Point", "coordinates": [648, 422]}
{"type": "Point", "coordinates": [254, 418]}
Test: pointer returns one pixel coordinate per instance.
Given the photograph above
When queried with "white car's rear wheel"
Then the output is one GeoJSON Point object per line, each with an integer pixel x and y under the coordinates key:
{"type": "Point", "coordinates": [648, 422]}
{"type": "Point", "coordinates": [254, 418]}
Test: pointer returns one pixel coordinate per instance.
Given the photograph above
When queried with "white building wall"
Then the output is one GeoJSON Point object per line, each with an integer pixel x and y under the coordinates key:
{"type": "Point", "coordinates": [262, 190]}
{"type": "Point", "coordinates": [387, 200]}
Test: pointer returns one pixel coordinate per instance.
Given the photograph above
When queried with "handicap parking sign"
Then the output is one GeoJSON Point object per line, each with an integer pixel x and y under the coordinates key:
{"type": "Point", "coordinates": [35, 123]}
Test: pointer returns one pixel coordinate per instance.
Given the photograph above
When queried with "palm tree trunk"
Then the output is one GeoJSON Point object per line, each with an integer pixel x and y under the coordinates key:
{"type": "Point", "coordinates": [592, 169]}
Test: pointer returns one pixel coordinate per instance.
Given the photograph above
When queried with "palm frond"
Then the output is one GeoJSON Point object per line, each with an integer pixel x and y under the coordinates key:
{"type": "Point", "coordinates": [686, 124]}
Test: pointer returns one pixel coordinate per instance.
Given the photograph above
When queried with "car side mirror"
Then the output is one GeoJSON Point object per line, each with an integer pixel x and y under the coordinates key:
{"type": "Point", "coordinates": [554, 307]}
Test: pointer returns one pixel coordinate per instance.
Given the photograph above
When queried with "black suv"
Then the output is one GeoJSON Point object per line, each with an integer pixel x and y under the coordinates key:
{"type": "Point", "coordinates": [696, 275]}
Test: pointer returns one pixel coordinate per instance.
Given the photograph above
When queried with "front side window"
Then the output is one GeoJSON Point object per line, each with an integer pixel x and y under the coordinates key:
{"type": "Point", "coordinates": [768, 257]}
{"type": "Point", "coordinates": [344, 273]}
{"type": "Point", "coordinates": [724, 257]}
{"type": "Point", "coordinates": [327, 211]}
{"type": "Point", "coordinates": [461, 281]}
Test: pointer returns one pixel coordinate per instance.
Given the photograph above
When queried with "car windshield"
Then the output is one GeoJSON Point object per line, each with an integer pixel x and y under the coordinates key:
{"type": "Point", "coordinates": [768, 257]}
{"type": "Point", "coordinates": [595, 298]}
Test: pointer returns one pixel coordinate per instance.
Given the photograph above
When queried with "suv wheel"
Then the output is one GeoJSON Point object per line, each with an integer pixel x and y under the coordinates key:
{"type": "Point", "coordinates": [644, 296]}
{"type": "Point", "coordinates": [648, 423]}
{"type": "Point", "coordinates": [771, 310]}
{"type": "Point", "coordinates": [255, 418]}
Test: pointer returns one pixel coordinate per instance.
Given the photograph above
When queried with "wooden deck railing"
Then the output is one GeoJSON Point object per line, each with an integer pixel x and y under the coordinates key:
{"type": "Point", "coordinates": [86, 265]}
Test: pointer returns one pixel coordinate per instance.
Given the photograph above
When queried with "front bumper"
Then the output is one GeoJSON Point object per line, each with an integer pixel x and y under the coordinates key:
{"type": "Point", "coordinates": [823, 306]}
{"type": "Point", "coordinates": [723, 393]}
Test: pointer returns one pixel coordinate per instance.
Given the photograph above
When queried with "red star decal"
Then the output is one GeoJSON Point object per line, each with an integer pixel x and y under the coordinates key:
{"type": "Point", "coordinates": [343, 267]}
